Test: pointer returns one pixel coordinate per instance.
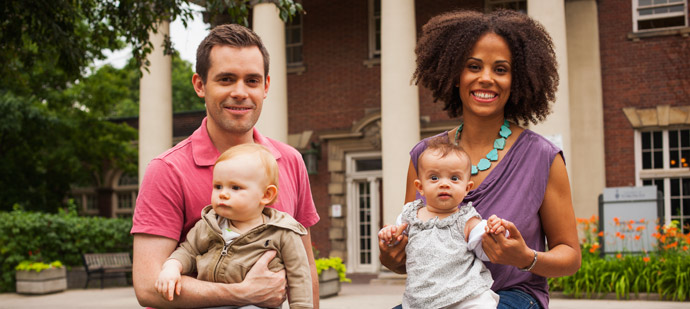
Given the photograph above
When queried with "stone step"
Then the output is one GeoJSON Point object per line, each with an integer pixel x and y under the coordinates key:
{"type": "Point", "coordinates": [389, 278]}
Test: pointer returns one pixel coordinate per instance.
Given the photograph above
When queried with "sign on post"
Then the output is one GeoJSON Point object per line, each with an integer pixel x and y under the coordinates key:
{"type": "Point", "coordinates": [627, 217]}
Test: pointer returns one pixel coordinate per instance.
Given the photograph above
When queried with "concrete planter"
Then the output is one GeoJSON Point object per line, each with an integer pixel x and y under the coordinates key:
{"type": "Point", "coordinates": [47, 281]}
{"type": "Point", "coordinates": [329, 283]}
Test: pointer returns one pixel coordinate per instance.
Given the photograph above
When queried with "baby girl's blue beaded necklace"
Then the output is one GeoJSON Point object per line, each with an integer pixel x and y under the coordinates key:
{"type": "Point", "coordinates": [499, 144]}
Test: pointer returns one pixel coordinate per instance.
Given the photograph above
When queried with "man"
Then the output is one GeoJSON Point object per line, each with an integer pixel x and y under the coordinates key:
{"type": "Point", "coordinates": [232, 77]}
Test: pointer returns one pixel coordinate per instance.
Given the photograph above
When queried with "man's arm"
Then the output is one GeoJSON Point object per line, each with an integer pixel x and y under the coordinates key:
{"type": "Point", "coordinates": [306, 240]}
{"type": "Point", "coordinates": [261, 286]}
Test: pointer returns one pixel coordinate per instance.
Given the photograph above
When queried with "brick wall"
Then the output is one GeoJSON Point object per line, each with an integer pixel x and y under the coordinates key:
{"type": "Point", "coordinates": [337, 88]}
{"type": "Point", "coordinates": [643, 74]}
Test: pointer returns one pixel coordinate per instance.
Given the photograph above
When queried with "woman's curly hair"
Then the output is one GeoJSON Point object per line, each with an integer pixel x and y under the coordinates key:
{"type": "Point", "coordinates": [447, 40]}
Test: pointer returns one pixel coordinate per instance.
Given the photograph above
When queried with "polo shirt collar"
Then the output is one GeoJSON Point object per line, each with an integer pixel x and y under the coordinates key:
{"type": "Point", "coordinates": [203, 150]}
{"type": "Point", "coordinates": [262, 140]}
{"type": "Point", "coordinates": [206, 154]}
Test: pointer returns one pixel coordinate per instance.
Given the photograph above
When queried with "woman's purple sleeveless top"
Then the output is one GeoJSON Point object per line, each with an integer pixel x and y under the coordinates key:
{"type": "Point", "coordinates": [514, 190]}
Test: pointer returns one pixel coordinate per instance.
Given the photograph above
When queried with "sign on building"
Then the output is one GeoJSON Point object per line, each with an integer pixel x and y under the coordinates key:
{"type": "Point", "coordinates": [627, 217]}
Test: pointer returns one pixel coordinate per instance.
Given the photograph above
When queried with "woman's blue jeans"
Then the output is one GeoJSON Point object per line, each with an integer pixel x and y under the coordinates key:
{"type": "Point", "coordinates": [511, 299]}
{"type": "Point", "coordinates": [516, 299]}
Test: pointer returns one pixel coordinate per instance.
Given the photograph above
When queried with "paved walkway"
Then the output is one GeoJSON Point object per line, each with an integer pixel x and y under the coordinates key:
{"type": "Point", "coordinates": [355, 296]}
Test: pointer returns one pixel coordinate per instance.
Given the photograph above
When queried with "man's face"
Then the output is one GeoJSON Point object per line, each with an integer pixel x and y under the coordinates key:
{"type": "Point", "coordinates": [235, 88]}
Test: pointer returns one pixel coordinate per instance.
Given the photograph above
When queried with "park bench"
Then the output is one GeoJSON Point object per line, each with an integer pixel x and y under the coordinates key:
{"type": "Point", "coordinates": [106, 265]}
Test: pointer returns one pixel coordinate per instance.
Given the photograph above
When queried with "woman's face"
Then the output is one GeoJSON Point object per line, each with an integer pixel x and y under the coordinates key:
{"type": "Point", "coordinates": [486, 77]}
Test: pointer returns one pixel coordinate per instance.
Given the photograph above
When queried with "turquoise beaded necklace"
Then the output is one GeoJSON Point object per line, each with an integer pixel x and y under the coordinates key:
{"type": "Point", "coordinates": [499, 144]}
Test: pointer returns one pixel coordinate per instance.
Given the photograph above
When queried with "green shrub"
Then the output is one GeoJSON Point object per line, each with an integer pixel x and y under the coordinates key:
{"type": "Point", "coordinates": [38, 266]}
{"type": "Point", "coordinates": [42, 237]}
{"type": "Point", "coordinates": [335, 263]}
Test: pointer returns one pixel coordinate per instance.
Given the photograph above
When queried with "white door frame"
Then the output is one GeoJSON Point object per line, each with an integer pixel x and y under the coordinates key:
{"type": "Point", "coordinates": [373, 178]}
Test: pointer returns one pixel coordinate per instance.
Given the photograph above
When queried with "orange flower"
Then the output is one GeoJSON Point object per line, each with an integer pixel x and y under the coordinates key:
{"type": "Point", "coordinates": [685, 248]}
{"type": "Point", "coordinates": [615, 219]}
{"type": "Point", "coordinates": [580, 220]}
{"type": "Point", "coordinates": [631, 222]}
{"type": "Point", "coordinates": [619, 256]}
{"type": "Point", "coordinates": [594, 219]}
{"type": "Point", "coordinates": [641, 220]}
{"type": "Point", "coordinates": [671, 245]}
{"type": "Point", "coordinates": [622, 236]}
{"type": "Point", "coordinates": [640, 228]}
{"type": "Point", "coordinates": [601, 233]}
{"type": "Point", "coordinates": [630, 226]}
{"type": "Point", "coordinates": [637, 237]}
{"type": "Point", "coordinates": [645, 259]}
{"type": "Point", "coordinates": [594, 248]}
{"type": "Point", "coordinates": [594, 229]}
{"type": "Point", "coordinates": [618, 234]}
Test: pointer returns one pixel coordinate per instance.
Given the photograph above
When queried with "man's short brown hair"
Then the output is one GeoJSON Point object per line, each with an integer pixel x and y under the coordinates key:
{"type": "Point", "coordinates": [232, 35]}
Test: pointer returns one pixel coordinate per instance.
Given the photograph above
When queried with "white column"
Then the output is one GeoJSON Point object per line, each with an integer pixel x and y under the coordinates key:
{"type": "Point", "coordinates": [399, 101]}
{"type": "Point", "coordinates": [274, 115]}
{"type": "Point", "coordinates": [587, 113]}
{"type": "Point", "coordinates": [155, 102]}
{"type": "Point", "coordinates": [556, 128]}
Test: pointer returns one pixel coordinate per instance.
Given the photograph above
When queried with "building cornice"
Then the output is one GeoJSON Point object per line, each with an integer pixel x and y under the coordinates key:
{"type": "Point", "coordinates": [660, 116]}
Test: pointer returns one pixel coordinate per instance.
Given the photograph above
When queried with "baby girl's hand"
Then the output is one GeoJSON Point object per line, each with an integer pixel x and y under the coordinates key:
{"type": "Point", "coordinates": [494, 226]}
{"type": "Point", "coordinates": [391, 234]}
{"type": "Point", "coordinates": [501, 230]}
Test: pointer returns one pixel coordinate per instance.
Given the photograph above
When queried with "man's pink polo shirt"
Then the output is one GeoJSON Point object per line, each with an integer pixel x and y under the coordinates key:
{"type": "Point", "coordinates": [178, 184]}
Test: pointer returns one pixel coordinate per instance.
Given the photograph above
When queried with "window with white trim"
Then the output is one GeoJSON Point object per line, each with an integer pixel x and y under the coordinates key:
{"type": "Point", "coordinates": [374, 29]}
{"type": "Point", "coordinates": [659, 14]}
{"type": "Point", "coordinates": [515, 5]}
{"type": "Point", "coordinates": [85, 199]}
{"type": "Point", "coordinates": [293, 41]}
{"type": "Point", "coordinates": [125, 194]}
{"type": "Point", "coordinates": [663, 160]}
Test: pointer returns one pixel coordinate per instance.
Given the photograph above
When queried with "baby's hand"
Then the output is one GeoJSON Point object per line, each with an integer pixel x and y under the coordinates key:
{"type": "Point", "coordinates": [168, 283]}
{"type": "Point", "coordinates": [391, 234]}
{"type": "Point", "coordinates": [494, 226]}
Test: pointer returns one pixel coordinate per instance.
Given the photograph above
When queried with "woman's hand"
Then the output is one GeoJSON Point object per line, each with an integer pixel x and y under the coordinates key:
{"type": "Point", "coordinates": [510, 250]}
{"type": "Point", "coordinates": [393, 255]}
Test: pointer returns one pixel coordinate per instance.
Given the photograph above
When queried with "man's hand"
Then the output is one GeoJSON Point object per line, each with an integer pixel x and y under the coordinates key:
{"type": "Point", "coordinates": [263, 287]}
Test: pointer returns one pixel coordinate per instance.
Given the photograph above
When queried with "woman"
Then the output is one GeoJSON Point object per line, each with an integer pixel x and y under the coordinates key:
{"type": "Point", "coordinates": [497, 71]}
